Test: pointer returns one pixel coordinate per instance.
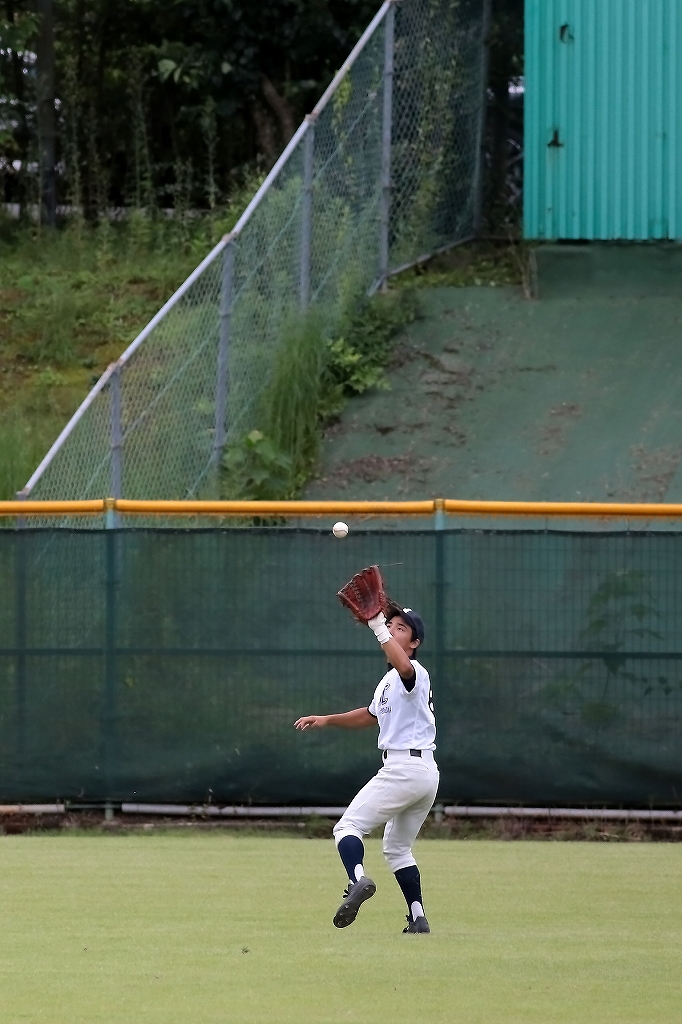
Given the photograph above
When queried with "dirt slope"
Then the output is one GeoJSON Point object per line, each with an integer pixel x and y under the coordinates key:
{"type": "Point", "coordinates": [569, 397]}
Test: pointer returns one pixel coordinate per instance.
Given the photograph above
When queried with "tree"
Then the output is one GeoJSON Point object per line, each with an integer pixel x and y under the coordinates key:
{"type": "Point", "coordinates": [45, 112]}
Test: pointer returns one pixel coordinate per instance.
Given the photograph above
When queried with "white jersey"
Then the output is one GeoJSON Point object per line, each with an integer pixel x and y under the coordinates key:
{"type": "Point", "coordinates": [406, 720]}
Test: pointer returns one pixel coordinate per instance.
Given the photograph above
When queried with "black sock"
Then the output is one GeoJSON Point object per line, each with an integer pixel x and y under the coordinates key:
{"type": "Point", "coordinates": [352, 852]}
{"type": "Point", "coordinates": [410, 882]}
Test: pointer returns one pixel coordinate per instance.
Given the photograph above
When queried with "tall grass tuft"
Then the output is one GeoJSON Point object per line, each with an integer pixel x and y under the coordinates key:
{"type": "Point", "coordinates": [291, 401]}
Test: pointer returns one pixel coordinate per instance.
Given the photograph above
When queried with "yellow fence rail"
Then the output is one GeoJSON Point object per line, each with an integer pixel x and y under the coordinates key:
{"type": "Point", "coordinates": [448, 506]}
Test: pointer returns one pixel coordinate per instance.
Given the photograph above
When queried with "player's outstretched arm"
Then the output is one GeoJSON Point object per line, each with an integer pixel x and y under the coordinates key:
{"type": "Point", "coordinates": [397, 657]}
{"type": "Point", "coordinates": [358, 719]}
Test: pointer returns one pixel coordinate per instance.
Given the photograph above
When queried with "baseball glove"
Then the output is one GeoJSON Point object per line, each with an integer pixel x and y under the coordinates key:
{"type": "Point", "coordinates": [364, 595]}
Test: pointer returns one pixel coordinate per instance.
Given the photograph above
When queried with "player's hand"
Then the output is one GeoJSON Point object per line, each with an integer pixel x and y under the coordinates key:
{"type": "Point", "coordinates": [377, 621]}
{"type": "Point", "coordinates": [311, 722]}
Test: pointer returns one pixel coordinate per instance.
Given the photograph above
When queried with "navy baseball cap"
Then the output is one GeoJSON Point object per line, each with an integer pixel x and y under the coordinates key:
{"type": "Point", "coordinates": [414, 620]}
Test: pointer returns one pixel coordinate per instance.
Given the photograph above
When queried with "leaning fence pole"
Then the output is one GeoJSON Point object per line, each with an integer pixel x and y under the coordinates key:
{"type": "Point", "coordinates": [386, 126]}
{"type": "Point", "coordinates": [307, 213]}
{"type": "Point", "coordinates": [223, 370]}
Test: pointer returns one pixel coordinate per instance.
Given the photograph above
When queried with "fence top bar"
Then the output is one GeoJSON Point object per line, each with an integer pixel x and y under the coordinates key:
{"type": "Point", "coordinates": [322, 508]}
{"type": "Point", "coordinates": [561, 508]}
{"type": "Point", "coordinates": [269, 508]}
{"type": "Point", "coordinates": [52, 508]}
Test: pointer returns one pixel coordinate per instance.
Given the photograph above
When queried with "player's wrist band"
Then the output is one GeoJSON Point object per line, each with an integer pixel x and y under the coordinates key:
{"type": "Point", "coordinates": [382, 633]}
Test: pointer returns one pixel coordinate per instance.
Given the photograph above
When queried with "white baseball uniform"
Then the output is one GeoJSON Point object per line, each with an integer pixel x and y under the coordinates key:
{"type": "Point", "coordinates": [402, 792]}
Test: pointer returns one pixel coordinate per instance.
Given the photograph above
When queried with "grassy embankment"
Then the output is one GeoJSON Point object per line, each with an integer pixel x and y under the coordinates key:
{"type": "Point", "coordinates": [71, 300]}
{"type": "Point", "coordinates": [173, 928]}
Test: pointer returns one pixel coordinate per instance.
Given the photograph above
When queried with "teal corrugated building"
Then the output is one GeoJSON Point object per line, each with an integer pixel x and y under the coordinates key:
{"type": "Point", "coordinates": [603, 102]}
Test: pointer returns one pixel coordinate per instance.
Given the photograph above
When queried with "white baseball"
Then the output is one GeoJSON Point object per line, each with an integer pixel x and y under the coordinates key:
{"type": "Point", "coordinates": [340, 530]}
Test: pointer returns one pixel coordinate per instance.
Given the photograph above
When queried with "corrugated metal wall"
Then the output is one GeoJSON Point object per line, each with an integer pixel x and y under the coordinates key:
{"type": "Point", "coordinates": [603, 147]}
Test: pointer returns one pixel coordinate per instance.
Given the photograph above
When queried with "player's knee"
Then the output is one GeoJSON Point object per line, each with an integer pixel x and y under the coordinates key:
{"type": "Point", "coordinates": [397, 855]}
{"type": "Point", "coordinates": [345, 828]}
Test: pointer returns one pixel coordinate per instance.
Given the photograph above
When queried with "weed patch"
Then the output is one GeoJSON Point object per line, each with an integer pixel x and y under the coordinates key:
{"type": "Point", "coordinates": [313, 376]}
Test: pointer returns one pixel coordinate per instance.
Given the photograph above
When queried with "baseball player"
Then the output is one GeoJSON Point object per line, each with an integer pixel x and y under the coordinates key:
{"type": "Point", "coordinates": [402, 792]}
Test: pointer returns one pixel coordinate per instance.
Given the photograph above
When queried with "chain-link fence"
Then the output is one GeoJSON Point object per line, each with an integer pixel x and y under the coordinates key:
{"type": "Point", "coordinates": [383, 172]}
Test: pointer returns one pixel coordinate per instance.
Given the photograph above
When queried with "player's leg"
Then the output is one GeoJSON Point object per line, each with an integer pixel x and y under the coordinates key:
{"type": "Point", "coordinates": [376, 802]}
{"type": "Point", "coordinates": [374, 805]}
{"type": "Point", "coordinates": [399, 835]}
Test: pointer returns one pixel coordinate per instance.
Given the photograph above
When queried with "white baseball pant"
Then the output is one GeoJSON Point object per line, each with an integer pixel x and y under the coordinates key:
{"type": "Point", "coordinates": [399, 796]}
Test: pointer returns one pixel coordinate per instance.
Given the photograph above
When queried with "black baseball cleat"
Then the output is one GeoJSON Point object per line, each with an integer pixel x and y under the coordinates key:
{"type": "Point", "coordinates": [354, 896]}
{"type": "Point", "coordinates": [420, 926]}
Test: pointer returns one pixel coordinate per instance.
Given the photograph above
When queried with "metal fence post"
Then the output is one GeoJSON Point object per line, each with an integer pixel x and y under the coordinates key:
{"type": "Point", "coordinates": [110, 668]}
{"type": "Point", "coordinates": [307, 212]}
{"type": "Point", "coordinates": [20, 540]}
{"type": "Point", "coordinates": [440, 585]}
{"type": "Point", "coordinates": [480, 142]}
{"type": "Point", "coordinates": [116, 443]}
{"type": "Point", "coordinates": [386, 125]}
{"type": "Point", "coordinates": [223, 370]}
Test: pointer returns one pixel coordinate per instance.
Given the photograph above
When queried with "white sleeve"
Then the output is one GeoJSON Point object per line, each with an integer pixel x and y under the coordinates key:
{"type": "Point", "coordinates": [372, 708]}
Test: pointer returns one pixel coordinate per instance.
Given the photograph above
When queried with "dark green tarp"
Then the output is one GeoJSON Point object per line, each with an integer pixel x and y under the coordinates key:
{"type": "Point", "coordinates": [170, 665]}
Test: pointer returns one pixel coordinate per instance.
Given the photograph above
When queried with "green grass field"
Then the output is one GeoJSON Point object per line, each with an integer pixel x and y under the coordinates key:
{"type": "Point", "coordinates": [203, 927]}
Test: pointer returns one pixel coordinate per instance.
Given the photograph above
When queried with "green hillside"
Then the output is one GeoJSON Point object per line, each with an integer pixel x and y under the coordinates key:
{"type": "Point", "coordinates": [70, 302]}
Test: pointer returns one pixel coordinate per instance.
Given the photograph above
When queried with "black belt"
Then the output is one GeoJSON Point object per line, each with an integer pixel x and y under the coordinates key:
{"type": "Point", "coordinates": [414, 753]}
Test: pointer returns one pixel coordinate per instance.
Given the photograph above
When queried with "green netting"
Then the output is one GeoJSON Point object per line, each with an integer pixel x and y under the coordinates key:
{"type": "Point", "coordinates": [151, 665]}
{"type": "Point", "coordinates": [314, 240]}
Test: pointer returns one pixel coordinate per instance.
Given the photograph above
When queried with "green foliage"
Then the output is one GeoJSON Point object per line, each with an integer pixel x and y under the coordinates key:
{"type": "Point", "coordinates": [256, 470]}
{"type": "Point", "coordinates": [373, 323]}
{"type": "Point", "coordinates": [16, 33]}
{"type": "Point", "coordinates": [347, 372]}
{"type": "Point", "coordinates": [355, 361]}
{"type": "Point", "coordinates": [476, 264]}
{"type": "Point", "coordinates": [133, 79]}
{"type": "Point", "coordinates": [312, 378]}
